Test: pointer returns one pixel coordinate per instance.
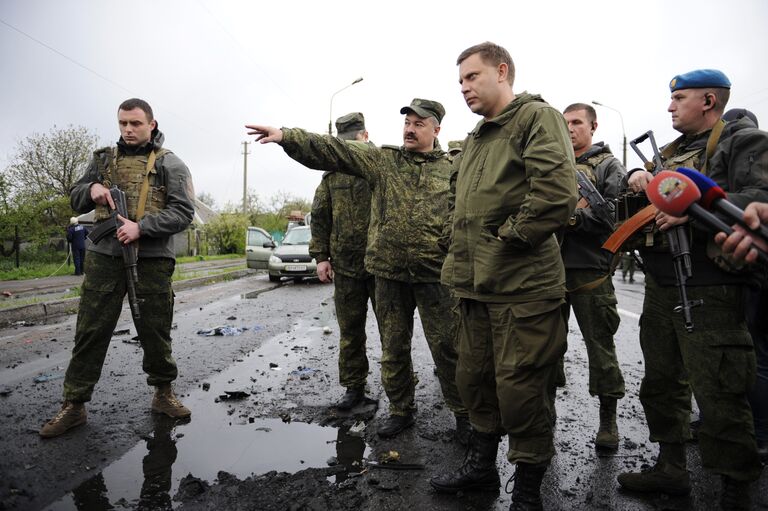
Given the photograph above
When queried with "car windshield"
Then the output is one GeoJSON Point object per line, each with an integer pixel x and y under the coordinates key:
{"type": "Point", "coordinates": [297, 236]}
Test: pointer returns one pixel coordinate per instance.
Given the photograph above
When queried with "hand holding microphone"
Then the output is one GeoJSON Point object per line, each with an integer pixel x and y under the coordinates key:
{"type": "Point", "coordinates": [713, 198]}
{"type": "Point", "coordinates": [677, 195]}
{"type": "Point", "coordinates": [738, 245]}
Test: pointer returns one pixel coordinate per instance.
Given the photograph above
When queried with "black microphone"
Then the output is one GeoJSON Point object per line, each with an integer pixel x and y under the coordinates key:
{"type": "Point", "coordinates": [714, 197]}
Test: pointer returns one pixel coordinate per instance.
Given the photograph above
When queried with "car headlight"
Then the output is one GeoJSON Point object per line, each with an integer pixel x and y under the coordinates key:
{"type": "Point", "coordinates": [274, 259]}
{"type": "Point", "coordinates": [314, 261]}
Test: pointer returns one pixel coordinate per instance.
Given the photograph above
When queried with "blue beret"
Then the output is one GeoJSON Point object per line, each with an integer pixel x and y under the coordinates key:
{"type": "Point", "coordinates": [700, 79]}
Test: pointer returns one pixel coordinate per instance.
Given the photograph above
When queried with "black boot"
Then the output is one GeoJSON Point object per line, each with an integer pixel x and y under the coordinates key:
{"type": "Point", "coordinates": [351, 398]}
{"type": "Point", "coordinates": [735, 495]}
{"type": "Point", "coordinates": [608, 433]}
{"type": "Point", "coordinates": [478, 472]}
{"type": "Point", "coordinates": [463, 430]}
{"type": "Point", "coordinates": [395, 424]}
{"type": "Point", "coordinates": [526, 495]}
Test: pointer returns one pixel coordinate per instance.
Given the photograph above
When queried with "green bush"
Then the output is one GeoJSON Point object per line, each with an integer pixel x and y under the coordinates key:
{"type": "Point", "coordinates": [226, 233]}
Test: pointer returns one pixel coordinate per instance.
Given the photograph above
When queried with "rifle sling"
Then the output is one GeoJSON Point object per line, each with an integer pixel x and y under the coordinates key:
{"type": "Point", "coordinates": [144, 193]}
{"type": "Point", "coordinates": [629, 228]}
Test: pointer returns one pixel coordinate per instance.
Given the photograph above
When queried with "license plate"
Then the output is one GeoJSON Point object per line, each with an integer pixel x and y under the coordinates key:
{"type": "Point", "coordinates": [295, 267]}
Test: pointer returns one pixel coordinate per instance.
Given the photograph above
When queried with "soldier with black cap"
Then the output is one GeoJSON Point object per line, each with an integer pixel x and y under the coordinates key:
{"type": "Point", "coordinates": [341, 211]}
{"type": "Point", "coordinates": [716, 360]}
{"type": "Point", "coordinates": [409, 204]}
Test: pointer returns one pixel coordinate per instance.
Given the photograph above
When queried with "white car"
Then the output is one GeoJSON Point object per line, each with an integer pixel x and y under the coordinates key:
{"type": "Point", "coordinates": [291, 259]}
{"type": "Point", "coordinates": [259, 246]}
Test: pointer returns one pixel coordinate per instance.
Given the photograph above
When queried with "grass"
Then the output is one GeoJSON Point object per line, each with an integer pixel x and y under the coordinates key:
{"type": "Point", "coordinates": [37, 269]}
{"type": "Point", "coordinates": [187, 275]}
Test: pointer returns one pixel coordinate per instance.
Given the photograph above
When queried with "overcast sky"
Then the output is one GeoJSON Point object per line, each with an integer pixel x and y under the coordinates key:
{"type": "Point", "coordinates": [210, 67]}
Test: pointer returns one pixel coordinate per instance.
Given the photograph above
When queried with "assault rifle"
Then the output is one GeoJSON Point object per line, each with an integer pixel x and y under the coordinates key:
{"type": "Point", "coordinates": [677, 237]}
{"type": "Point", "coordinates": [109, 227]}
{"type": "Point", "coordinates": [604, 210]}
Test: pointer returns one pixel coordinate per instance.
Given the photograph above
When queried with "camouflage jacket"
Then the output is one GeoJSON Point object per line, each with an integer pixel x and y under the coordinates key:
{"type": "Point", "coordinates": [341, 211]}
{"type": "Point", "coordinates": [515, 188]}
{"type": "Point", "coordinates": [158, 228]}
{"type": "Point", "coordinates": [582, 242]}
{"type": "Point", "coordinates": [739, 165]}
{"type": "Point", "coordinates": [409, 199]}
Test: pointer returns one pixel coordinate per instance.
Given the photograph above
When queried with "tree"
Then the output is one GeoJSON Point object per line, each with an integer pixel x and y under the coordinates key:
{"type": "Point", "coordinates": [207, 199]}
{"type": "Point", "coordinates": [48, 164]}
{"type": "Point", "coordinates": [34, 188]}
{"type": "Point", "coordinates": [226, 233]}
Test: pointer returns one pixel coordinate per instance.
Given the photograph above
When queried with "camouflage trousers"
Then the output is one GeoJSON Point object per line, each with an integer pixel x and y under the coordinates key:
{"type": "Point", "coordinates": [351, 297]}
{"type": "Point", "coordinates": [716, 361]}
{"type": "Point", "coordinates": [101, 301]}
{"type": "Point", "coordinates": [595, 311]}
{"type": "Point", "coordinates": [508, 360]}
{"type": "Point", "coordinates": [396, 303]}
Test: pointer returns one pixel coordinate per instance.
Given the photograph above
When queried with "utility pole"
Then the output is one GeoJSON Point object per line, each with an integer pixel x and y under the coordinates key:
{"type": "Point", "coordinates": [245, 177]}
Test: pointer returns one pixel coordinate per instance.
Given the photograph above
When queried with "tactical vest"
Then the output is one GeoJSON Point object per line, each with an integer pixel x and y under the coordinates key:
{"type": "Point", "coordinates": [128, 173]}
{"type": "Point", "coordinates": [589, 165]}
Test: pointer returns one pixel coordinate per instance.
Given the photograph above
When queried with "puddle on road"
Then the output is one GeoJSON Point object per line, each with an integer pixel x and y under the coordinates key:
{"type": "Point", "coordinates": [220, 436]}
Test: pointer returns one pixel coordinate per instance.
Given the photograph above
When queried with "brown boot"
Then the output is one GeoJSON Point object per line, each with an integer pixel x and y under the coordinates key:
{"type": "Point", "coordinates": [669, 475]}
{"type": "Point", "coordinates": [608, 433]}
{"type": "Point", "coordinates": [70, 416]}
{"type": "Point", "coordinates": [165, 401]}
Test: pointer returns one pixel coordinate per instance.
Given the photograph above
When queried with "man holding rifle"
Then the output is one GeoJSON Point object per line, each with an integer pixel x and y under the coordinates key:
{"type": "Point", "coordinates": [158, 200]}
{"type": "Point", "coordinates": [714, 358]}
{"type": "Point", "coordinates": [588, 267]}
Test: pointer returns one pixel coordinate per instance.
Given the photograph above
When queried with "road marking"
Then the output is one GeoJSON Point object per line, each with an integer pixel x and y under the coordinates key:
{"type": "Point", "coordinates": [629, 313]}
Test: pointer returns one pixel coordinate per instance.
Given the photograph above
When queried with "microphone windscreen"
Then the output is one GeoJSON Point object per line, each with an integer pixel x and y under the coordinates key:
{"type": "Point", "coordinates": [672, 192]}
{"type": "Point", "coordinates": [708, 188]}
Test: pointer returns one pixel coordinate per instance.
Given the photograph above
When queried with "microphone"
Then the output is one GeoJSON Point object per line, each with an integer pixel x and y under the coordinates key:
{"type": "Point", "coordinates": [677, 195]}
{"type": "Point", "coordinates": [714, 197]}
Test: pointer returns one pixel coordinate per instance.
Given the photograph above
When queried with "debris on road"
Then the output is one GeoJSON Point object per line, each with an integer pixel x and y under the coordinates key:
{"type": "Point", "coordinates": [48, 377]}
{"type": "Point", "coordinates": [222, 330]}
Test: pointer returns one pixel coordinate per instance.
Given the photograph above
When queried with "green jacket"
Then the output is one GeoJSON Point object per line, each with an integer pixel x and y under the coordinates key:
{"type": "Point", "coordinates": [341, 211]}
{"type": "Point", "coordinates": [582, 242]}
{"type": "Point", "coordinates": [409, 200]}
{"type": "Point", "coordinates": [171, 176]}
{"type": "Point", "coordinates": [515, 181]}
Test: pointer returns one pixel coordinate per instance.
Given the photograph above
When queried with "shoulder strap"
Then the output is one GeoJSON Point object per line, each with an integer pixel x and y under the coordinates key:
{"type": "Point", "coordinates": [712, 141]}
{"type": "Point", "coordinates": [144, 193]}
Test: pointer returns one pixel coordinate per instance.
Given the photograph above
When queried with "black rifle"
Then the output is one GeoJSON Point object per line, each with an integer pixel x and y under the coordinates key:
{"type": "Point", "coordinates": [129, 251]}
{"type": "Point", "coordinates": [677, 237]}
{"type": "Point", "coordinates": [604, 210]}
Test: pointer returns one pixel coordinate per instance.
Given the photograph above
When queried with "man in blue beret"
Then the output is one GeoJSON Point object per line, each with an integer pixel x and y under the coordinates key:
{"type": "Point", "coordinates": [716, 360]}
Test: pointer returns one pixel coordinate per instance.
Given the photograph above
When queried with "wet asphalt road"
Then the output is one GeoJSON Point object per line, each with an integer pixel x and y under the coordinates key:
{"type": "Point", "coordinates": [284, 367]}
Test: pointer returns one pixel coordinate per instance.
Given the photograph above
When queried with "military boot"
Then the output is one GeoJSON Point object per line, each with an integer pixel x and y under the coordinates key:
{"type": "Point", "coordinates": [669, 475]}
{"type": "Point", "coordinates": [463, 429]}
{"type": "Point", "coordinates": [70, 416]}
{"type": "Point", "coordinates": [526, 495]}
{"type": "Point", "coordinates": [735, 495]}
{"type": "Point", "coordinates": [165, 401]}
{"type": "Point", "coordinates": [351, 398]}
{"type": "Point", "coordinates": [478, 472]}
{"type": "Point", "coordinates": [608, 433]}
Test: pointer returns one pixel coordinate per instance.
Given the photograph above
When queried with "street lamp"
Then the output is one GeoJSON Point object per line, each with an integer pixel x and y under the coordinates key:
{"type": "Point", "coordinates": [330, 112]}
{"type": "Point", "coordinates": [624, 133]}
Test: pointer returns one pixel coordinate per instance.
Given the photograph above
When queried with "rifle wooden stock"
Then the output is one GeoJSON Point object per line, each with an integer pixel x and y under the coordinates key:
{"type": "Point", "coordinates": [630, 227]}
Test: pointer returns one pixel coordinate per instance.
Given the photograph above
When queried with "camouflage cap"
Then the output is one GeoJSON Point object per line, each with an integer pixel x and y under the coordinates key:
{"type": "Point", "coordinates": [425, 108]}
{"type": "Point", "coordinates": [350, 123]}
{"type": "Point", "coordinates": [454, 146]}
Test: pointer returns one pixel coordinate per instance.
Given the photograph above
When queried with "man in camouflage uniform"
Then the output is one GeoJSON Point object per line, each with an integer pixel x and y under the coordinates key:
{"type": "Point", "coordinates": [588, 270]}
{"type": "Point", "coordinates": [515, 188]}
{"type": "Point", "coordinates": [716, 360]}
{"type": "Point", "coordinates": [409, 204]}
{"type": "Point", "coordinates": [159, 196]}
{"type": "Point", "coordinates": [341, 211]}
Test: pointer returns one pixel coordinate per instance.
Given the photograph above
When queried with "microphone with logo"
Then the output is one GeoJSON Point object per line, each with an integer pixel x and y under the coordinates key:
{"type": "Point", "coordinates": [714, 198]}
{"type": "Point", "coordinates": [677, 195]}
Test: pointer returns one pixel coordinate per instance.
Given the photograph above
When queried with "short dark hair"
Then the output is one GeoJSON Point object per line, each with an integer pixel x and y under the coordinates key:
{"type": "Point", "coordinates": [722, 94]}
{"type": "Point", "coordinates": [492, 54]}
{"type": "Point", "coordinates": [591, 114]}
{"type": "Point", "coordinates": [130, 104]}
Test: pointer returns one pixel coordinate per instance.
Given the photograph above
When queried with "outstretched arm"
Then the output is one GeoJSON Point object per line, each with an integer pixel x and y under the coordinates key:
{"type": "Point", "coordinates": [265, 134]}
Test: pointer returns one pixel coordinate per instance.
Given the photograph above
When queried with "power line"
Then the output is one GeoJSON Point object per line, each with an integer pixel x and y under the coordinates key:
{"type": "Point", "coordinates": [57, 52]}
{"type": "Point", "coordinates": [243, 49]}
